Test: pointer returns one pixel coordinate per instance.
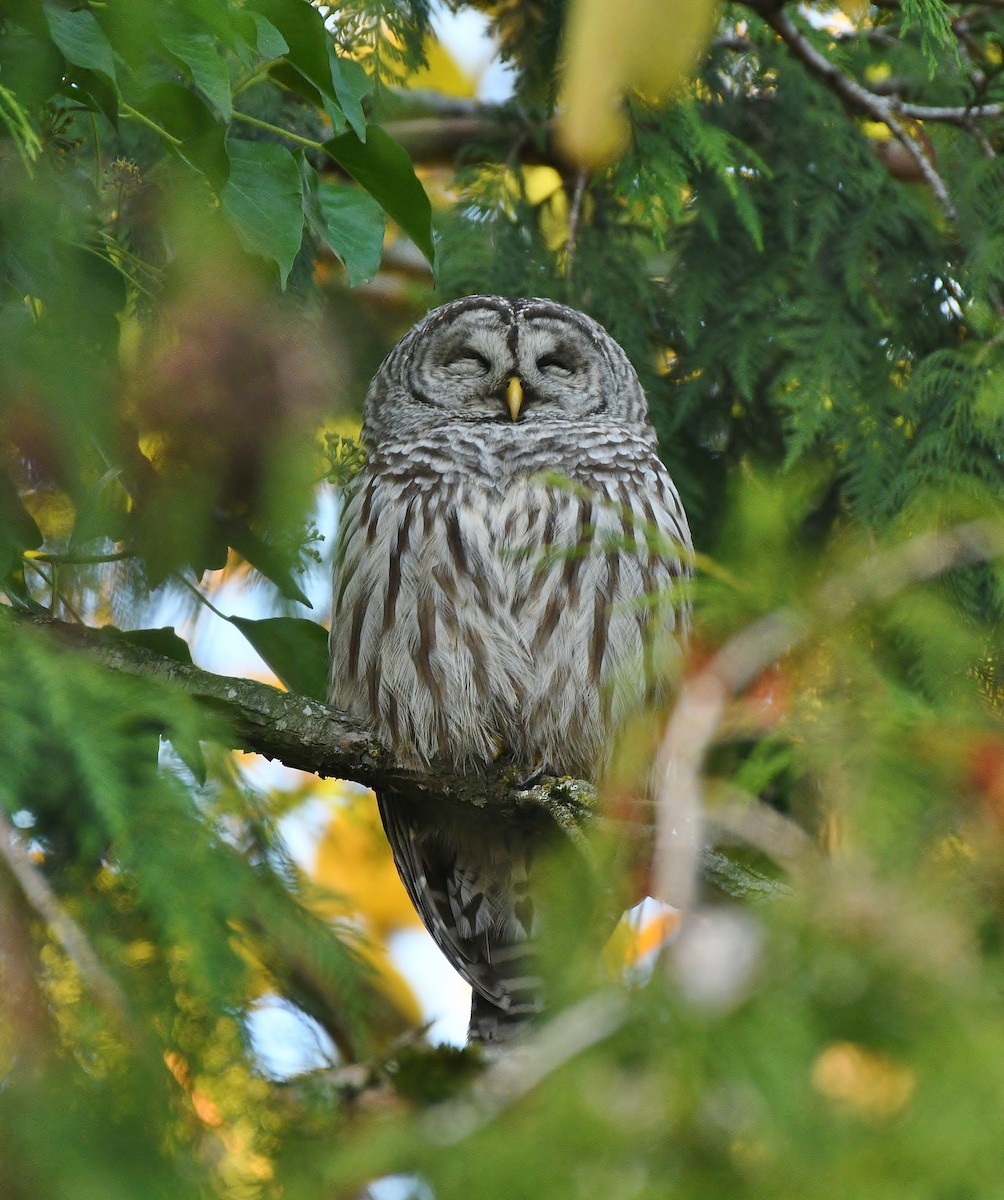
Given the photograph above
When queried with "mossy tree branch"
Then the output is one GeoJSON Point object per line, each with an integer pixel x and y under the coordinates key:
{"type": "Point", "coordinates": [309, 736]}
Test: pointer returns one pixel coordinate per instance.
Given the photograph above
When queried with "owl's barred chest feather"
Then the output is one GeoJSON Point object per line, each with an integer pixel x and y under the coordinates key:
{"type": "Point", "coordinates": [483, 610]}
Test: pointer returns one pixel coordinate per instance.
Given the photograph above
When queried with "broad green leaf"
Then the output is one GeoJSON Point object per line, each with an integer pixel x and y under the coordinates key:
{"type": "Point", "coordinates": [353, 228]}
{"type": "Point", "coordinates": [163, 641]}
{"type": "Point", "coordinates": [347, 220]}
{"type": "Point", "coordinates": [81, 39]}
{"type": "Point", "coordinates": [30, 67]}
{"type": "Point", "coordinates": [18, 530]}
{"type": "Point", "coordinates": [272, 563]}
{"type": "Point", "coordinates": [270, 42]}
{"type": "Point", "coordinates": [201, 55]}
{"type": "Point", "coordinates": [101, 510]}
{"type": "Point", "coordinates": [263, 201]}
{"type": "Point", "coordinates": [198, 137]}
{"type": "Point", "coordinates": [309, 46]}
{"type": "Point", "coordinates": [189, 751]}
{"type": "Point", "coordinates": [97, 93]}
{"type": "Point", "coordinates": [384, 169]}
{"type": "Point", "coordinates": [352, 84]}
{"type": "Point", "coordinates": [295, 649]}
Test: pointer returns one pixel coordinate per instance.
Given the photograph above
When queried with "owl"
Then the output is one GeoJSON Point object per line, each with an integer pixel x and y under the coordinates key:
{"type": "Point", "coordinates": [505, 588]}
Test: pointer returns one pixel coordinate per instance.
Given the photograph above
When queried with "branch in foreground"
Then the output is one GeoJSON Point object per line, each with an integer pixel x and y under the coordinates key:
{"type": "Point", "coordinates": [36, 890]}
{"type": "Point", "coordinates": [703, 699]}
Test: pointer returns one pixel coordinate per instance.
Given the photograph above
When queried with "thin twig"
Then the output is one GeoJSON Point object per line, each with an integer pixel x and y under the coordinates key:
{"type": "Point", "coordinates": [959, 115]}
{"type": "Point", "coordinates": [201, 596]}
{"type": "Point", "coordinates": [702, 701]}
{"type": "Point", "coordinates": [526, 1066]}
{"type": "Point", "coordinates": [880, 108]}
{"type": "Point", "coordinates": [257, 123]}
{"type": "Point", "coordinates": [736, 816]}
{"type": "Point", "coordinates": [79, 560]}
{"type": "Point", "coordinates": [574, 216]}
{"type": "Point", "coordinates": [64, 929]}
{"type": "Point", "coordinates": [54, 592]}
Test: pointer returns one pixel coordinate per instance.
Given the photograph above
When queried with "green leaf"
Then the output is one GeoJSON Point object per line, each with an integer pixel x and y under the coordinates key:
{"type": "Point", "coordinates": [97, 93]}
{"type": "Point", "coordinates": [265, 558]}
{"type": "Point", "coordinates": [199, 138]}
{"type": "Point", "coordinates": [101, 510]}
{"type": "Point", "coordinates": [352, 84]}
{"type": "Point", "coordinates": [934, 18]}
{"type": "Point", "coordinates": [30, 67]}
{"type": "Point", "coordinates": [263, 201]}
{"type": "Point", "coordinates": [163, 641]}
{"type": "Point", "coordinates": [295, 649]}
{"type": "Point", "coordinates": [354, 229]}
{"type": "Point", "coordinates": [18, 530]}
{"type": "Point", "coordinates": [348, 221]}
{"type": "Point", "coordinates": [189, 751]}
{"type": "Point", "coordinates": [384, 169]}
{"type": "Point", "coordinates": [309, 45]}
{"type": "Point", "coordinates": [81, 39]}
{"type": "Point", "coordinates": [201, 55]}
{"type": "Point", "coordinates": [269, 41]}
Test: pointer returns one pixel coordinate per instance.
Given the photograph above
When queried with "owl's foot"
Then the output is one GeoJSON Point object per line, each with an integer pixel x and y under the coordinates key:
{"type": "Point", "coordinates": [535, 776]}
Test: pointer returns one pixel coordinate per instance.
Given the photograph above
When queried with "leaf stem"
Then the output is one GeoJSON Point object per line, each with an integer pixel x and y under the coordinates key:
{"type": "Point", "coordinates": [129, 111]}
{"type": "Point", "coordinates": [78, 560]}
{"type": "Point", "coordinates": [201, 596]}
{"type": "Point", "coordinates": [251, 79]}
{"type": "Point", "coordinates": [286, 133]}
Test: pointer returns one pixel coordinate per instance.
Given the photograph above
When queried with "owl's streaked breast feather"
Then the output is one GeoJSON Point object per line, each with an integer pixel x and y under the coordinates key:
{"type": "Point", "coordinates": [479, 600]}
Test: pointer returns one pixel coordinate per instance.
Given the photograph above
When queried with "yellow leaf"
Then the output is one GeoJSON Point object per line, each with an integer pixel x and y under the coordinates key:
{"type": "Point", "coordinates": [630, 943]}
{"type": "Point", "coordinates": [862, 1080]}
{"type": "Point", "coordinates": [354, 863]}
{"type": "Point", "coordinates": [650, 46]}
{"type": "Point", "coordinates": [443, 73]}
{"type": "Point", "coordinates": [878, 131]}
{"type": "Point", "coordinates": [540, 183]}
{"type": "Point", "coordinates": [554, 220]}
{"type": "Point", "coordinates": [854, 9]}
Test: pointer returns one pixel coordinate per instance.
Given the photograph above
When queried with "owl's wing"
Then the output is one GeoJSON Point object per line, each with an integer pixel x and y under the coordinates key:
{"type": "Point", "coordinates": [479, 915]}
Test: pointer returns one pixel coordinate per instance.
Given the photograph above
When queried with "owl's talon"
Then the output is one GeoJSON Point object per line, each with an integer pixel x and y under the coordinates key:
{"type": "Point", "coordinates": [535, 776]}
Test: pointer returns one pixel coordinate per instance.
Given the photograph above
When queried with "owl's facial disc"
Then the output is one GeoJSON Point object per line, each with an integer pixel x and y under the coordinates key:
{"type": "Point", "coordinates": [467, 367]}
{"type": "Point", "coordinates": [511, 364]}
{"type": "Point", "coordinates": [560, 367]}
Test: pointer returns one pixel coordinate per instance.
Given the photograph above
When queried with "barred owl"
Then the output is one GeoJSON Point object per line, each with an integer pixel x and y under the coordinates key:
{"type": "Point", "coordinates": [502, 589]}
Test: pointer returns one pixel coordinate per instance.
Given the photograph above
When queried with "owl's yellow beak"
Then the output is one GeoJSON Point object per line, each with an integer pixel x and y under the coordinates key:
{"type": "Point", "coordinates": [514, 396]}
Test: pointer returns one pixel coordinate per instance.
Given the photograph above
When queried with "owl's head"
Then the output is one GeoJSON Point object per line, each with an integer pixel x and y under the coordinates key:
{"type": "Point", "coordinates": [490, 360]}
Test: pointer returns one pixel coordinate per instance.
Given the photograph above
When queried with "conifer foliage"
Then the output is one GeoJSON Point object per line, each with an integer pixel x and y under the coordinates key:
{"type": "Point", "coordinates": [215, 216]}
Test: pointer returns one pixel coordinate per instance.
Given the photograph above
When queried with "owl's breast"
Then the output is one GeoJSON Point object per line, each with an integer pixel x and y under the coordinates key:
{"type": "Point", "coordinates": [424, 644]}
{"type": "Point", "coordinates": [491, 612]}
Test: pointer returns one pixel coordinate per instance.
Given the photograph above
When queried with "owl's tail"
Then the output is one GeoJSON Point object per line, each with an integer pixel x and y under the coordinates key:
{"type": "Point", "coordinates": [478, 908]}
{"type": "Point", "coordinates": [512, 974]}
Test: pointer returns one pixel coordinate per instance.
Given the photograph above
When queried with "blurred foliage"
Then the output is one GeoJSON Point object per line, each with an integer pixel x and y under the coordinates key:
{"type": "Point", "coordinates": [197, 278]}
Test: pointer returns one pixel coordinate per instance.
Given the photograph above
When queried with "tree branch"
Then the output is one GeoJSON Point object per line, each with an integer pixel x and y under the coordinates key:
{"type": "Point", "coordinates": [309, 736]}
{"type": "Point", "coordinates": [36, 890]}
{"type": "Point", "coordinates": [704, 696]}
{"type": "Point", "coordinates": [886, 109]}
